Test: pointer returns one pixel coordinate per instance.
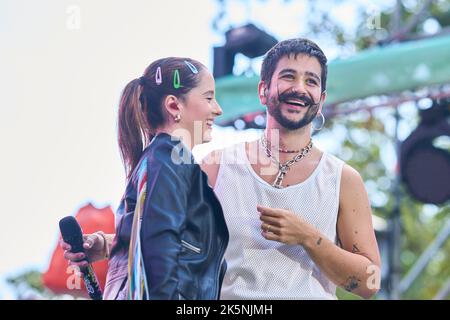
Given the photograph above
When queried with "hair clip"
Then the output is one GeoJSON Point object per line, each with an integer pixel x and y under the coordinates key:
{"type": "Point", "coordinates": [176, 79]}
{"type": "Point", "coordinates": [158, 77]}
{"type": "Point", "coordinates": [191, 66]}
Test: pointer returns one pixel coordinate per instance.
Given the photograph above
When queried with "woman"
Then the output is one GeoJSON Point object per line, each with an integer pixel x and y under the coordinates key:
{"type": "Point", "coordinates": [170, 230]}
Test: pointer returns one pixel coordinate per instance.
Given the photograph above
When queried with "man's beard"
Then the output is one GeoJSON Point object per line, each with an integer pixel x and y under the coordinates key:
{"type": "Point", "coordinates": [274, 103]}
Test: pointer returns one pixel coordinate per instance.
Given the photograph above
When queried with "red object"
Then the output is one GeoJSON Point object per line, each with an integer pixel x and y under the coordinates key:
{"type": "Point", "coordinates": [59, 278]}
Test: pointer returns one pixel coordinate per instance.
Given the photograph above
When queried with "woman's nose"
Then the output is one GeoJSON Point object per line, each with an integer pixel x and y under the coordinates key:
{"type": "Point", "coordinates": [218, 110]}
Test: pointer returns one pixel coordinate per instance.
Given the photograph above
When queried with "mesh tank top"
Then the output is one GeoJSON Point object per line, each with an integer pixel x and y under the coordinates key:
{"type": "Point", "coordinates": [264, 269]}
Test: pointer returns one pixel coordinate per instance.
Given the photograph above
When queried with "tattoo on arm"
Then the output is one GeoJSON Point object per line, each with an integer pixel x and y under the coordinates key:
{"type": "Point", "coordinates": [351, 284]}
{"type": "Point", "coordinates": [355, 249]}
{"type": "Point", "coordinates": [319, 241]}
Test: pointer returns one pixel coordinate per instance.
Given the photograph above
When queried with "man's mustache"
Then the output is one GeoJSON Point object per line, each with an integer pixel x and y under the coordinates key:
{"type": "Point", "coordinates": [283, 97]}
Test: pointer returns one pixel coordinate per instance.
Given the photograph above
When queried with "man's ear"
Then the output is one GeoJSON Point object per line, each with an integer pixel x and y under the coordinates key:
{"type": "Point", "coordinates": [173, 106]}
{"type": "Point", "coordinates": [323, 96]}
{"type": "Point", "coordinates": [262, 91]}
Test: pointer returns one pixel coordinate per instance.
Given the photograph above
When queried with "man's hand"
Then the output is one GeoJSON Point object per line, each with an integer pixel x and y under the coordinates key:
{"type": "Point", "coordinates": [284, 226]}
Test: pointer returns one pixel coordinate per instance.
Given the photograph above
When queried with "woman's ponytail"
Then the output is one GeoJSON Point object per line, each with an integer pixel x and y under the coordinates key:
{"type": "Point", "coordinates": [133, 128]}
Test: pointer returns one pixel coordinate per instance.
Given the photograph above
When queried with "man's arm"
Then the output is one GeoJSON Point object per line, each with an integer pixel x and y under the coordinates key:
{"type": "Point", "coordinates": [354, 267]}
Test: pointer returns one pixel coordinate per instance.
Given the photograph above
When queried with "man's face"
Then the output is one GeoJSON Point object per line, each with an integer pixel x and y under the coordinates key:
{"type": "Point", "coordinates": [295, 95]}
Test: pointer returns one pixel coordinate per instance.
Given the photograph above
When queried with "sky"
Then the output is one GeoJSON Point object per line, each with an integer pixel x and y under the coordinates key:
{"type": "Point", "coordinates": [63, 65]}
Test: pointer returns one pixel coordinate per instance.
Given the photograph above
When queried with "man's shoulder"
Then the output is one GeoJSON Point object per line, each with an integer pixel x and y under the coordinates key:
{"type": "Point", "coordinates": [348, 172]}
{"type": "Point", "coordinates": [351, 181]}
{"type": "Point", "coordinates": [333, 158]}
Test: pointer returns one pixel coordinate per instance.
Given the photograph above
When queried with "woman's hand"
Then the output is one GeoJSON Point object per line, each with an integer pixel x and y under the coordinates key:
{"type": "Point", "coordinates": [94, 246]}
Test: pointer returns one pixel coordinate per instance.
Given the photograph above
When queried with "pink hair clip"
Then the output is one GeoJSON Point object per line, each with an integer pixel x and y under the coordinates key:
{"type": "Point", "coordinates": [158, 76]}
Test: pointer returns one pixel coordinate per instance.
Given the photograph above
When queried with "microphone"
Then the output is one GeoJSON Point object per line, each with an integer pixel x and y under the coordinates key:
{"type": "Point", "coordinates": [72, 234]}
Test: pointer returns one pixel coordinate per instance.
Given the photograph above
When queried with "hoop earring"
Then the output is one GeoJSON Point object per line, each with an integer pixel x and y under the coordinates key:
{"type": "Point", "coordinates": [321, 125]}
{"type": "Point", "coordinates": [177, 118]}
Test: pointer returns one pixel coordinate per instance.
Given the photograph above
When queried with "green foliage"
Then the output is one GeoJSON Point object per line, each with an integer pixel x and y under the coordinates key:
{"type": "Point", "coordinates": [32, 278]}
{"type": "Point", "coordinates": [28, 285]}
{"type": "Point", "coordinates": [345, 295]}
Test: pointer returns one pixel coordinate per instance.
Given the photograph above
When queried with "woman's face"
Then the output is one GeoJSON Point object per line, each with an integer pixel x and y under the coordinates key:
{"type": "Point", "coordinates": [200, 109]}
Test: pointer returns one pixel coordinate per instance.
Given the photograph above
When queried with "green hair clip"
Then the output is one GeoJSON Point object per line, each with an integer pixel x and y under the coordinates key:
{"type": "Point", "coordinates": [176, 79]}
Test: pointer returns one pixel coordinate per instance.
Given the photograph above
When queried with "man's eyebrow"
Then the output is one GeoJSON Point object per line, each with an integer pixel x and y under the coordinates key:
{"type": "Point", "coordinates": [312, 74]}
{"type": "Point", "coordinates": [208, 92]}
{"type": "Point", "coordinates": [308, 73]}
{"type": "Point", "coordinates": [287, 71]}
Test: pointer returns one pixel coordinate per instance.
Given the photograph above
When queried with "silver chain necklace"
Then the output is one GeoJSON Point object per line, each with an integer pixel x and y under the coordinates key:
{"type": "Point", "coordinates": [284, 168]}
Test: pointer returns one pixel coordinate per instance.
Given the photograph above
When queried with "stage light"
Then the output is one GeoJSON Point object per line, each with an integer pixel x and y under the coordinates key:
{"type": "Point", "coordinates": [425, 168]}
{"type": "Point", "coordinates": [248, 40]}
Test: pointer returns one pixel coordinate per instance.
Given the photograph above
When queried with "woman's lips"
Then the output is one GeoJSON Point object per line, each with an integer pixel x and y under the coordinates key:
{"type": "Point", "coordinates": [209, 123]}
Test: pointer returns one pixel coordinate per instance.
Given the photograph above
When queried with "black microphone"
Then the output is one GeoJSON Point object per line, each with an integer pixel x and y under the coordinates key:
{"type": "Point", "coordinates": [72, 234]}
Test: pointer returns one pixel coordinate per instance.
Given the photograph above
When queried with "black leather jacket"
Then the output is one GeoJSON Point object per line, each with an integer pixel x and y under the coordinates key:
{"type": "Point", "coordinates": [183, 233]}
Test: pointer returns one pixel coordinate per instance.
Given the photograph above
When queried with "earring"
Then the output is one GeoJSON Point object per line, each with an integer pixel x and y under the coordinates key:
{"type": "Point", "coordinates": [177, 118]}
{"type": "Point", "coordinates": [321, 125]}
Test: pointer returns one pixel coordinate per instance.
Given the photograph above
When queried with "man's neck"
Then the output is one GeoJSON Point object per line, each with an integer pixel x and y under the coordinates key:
{"type": "Point", "coordinates": [287, 139]}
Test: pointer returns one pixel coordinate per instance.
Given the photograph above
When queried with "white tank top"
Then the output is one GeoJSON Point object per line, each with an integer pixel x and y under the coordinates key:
{"type": "Point", "coordinates": [263, 269]}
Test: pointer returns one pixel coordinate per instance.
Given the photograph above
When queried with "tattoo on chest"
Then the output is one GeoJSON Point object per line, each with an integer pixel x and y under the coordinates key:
{"type": "Point", "coordinates": [355, 249]}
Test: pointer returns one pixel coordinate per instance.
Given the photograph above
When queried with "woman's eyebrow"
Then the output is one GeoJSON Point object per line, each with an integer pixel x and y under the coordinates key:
{"type": "Point", "coordinates": [208, 92]}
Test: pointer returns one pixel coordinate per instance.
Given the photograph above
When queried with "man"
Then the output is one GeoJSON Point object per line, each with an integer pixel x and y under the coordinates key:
{"type": "Point", "coordinates": [297, 228]}
{"type": "Point", "coordinates": [299, 218]}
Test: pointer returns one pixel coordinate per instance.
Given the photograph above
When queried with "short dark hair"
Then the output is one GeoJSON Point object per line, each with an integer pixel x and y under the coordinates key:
{"type": "Point", "coordinates": [293, 47]}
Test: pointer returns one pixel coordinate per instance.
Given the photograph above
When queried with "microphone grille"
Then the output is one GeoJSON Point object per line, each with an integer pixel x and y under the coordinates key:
{"type": "Point", "coordinates": [71, 233]}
